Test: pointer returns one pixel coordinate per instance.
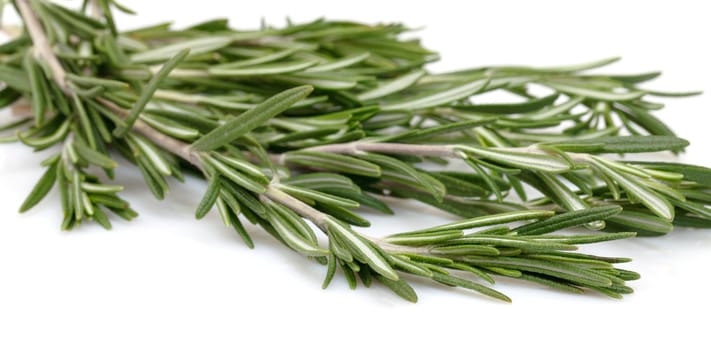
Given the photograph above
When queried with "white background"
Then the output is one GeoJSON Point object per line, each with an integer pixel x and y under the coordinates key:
{"type": "Point", "coordinates": [166, 281]}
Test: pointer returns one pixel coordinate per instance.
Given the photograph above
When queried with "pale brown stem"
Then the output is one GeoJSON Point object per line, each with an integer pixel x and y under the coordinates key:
{"type": "Point", "coordinates": [42, 48]}
{"type": "Point", "coordinates": [301, 208]}
{"type": "Point", "coordinates": [94, 9]}
{"type": "Point", "coordinates": [172, 145]}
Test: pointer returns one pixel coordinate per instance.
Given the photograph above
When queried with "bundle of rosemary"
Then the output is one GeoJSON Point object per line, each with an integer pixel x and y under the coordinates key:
{"type": "Point", "coordinates": [307, 123]}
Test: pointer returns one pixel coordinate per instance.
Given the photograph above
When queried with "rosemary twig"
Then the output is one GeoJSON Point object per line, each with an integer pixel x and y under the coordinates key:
{"type": "Point", "coordinates": [41, 45]}
{"type": "Point", "coordinates": [251, 110]}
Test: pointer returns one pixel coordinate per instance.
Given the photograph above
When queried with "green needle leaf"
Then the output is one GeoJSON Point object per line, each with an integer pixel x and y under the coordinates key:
{"type": "Point", "coordinates": [265, 69]}
{"type": "Point", "coordinates": [438, 98]}
{"type": "Point", "coordinates": [36, 79]}
{"type": "Point", "coordinates": [645, 120]}
{"type": "Point", "coordinates": [553, 111]}
{"type": "Point", "coordinates": [94, 157]}
{"type": "Point", "coordinates": [251, 119]}
{"type": "Point", "coordinates": [401, 168]}
{"type": "Point", "coordinates": [339, 64]}
{"type": "Point", "coordinates": [399, 287]}
{"type": "Point", "coordinates": [510, 108]}
{"type": "Point", "coordinates": [15, 78]}
{"type": "Point", "coordinates": [362, 249]}
{"type": "Point", "coordinates": [422, 239]}
{"type": "Point", "coordinates": [519, 158]}
{"type": "Point", "coordinates": [642, 221]}
{"type": "Point", "coordinates": [596, 94]}
{"type": "Point", "coordinates": [586, 239]}
{"type": "Point", "coordinates": [568, 219]}
{"type": "Point", "coordinates": [424, 134]}
{"type": "Point", "coordinates": [195, 46]}
{"type": "Point", "coordinates": [511, 242]}
{"type": "Point", "coordinates": [561, 270]}
{"type": "Point", "coordinates": [319, 197]}
{"type": "Point", "coordinates": [43, 186]}
{"type": "Point", "coordinates": [393, 86]}
{"type": "Point", "coordinates": [238, 178]}
{"type": "Point", "coordinates": [572, 68]}
{"type": "Point", "coordinates": [460, 282]}
{"type": "Point", "coordinates": [292, 236]}
{"type": "Point", "coordinates": [148, 91]}
{"type": "Point", "coordinates": [209, 198]}
{"type": "Point", "coordinates": [637, 190]}
{"type": "Point", "coordinates": [331, 271]}
{"type": "Point", "coordinates": [333, 162]}
{"type": "Point", "coordinates": [482, 221]}
{"type": "Point", "coordinates": [94, 81]}
{"type": "Point", "coordinates": [623, 144]}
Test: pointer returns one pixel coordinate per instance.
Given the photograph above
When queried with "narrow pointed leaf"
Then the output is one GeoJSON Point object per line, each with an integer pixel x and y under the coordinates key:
{"type": "Point", "coordinates": [561, 270]}
{"type": "Point", "coordinates": [331, 271]}
{"type": "Point", "coordinates": [14, 78]}
{"type": "Point", "coordinates": [596, 94]}
{"type": "Point", "coordinates": [586, 239]}
{"type": "Point", "coordinates": [438, 98]}
{"type": "Point", "coordinates": [399, 287]}
{"type": "Point", "coordinates": [460, 282]}
{"type": "Point", "coordinates": [623, 144]}
{"type": "Point", "coordinates": [519, 158]}
{"type": "Point", "coordinates": [392, 86]}
{"type": "Point", "coordinates": [426, 238]}
{"type": "Point", "coordinates": [320, 196]}
{"type": "Point", "coordinates": [36, 79]}
{"type": "Point", "coordinates": [333, 162]}
{"type": "Point", "coordinates": [339, 64]}
{"type": "Point", "coordinates": [95, 157]}
{"type": "Point", "coordinates": [370, 256]}
{"type": "Point", "coordinates": [638, 191]}
{"type": "Point", "coordinates": [148, 91]}
{"type": "Point", "coordinates": [209, 198]}
{"type": "Point", "coordinates": [510, 108]}
{"type": "Point", "coordinates": [647, 222]}
{"type": "Point", "coordinates": [251, 119]}
{"type": "Point", "coordinates": [292, 237]}
{"type": "Point", "coordinates": [488, 220]}
{"type": "Point", "coordinates": [196, 46]}
{"type": "Point", "coordinates": [264, 69]}
{"type": "Point", "coordinates": [238, 178]}
{"type": "Point", "coordinates": [568, 219]}
{"type": "Point", "coordinates": [40, 190]}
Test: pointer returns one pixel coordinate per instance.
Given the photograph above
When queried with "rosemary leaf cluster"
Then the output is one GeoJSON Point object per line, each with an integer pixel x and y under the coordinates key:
{"type": "Point", "coordinates": [311, 122]}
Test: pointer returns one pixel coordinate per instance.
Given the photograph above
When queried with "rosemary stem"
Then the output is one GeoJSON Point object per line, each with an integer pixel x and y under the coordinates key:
{"type": "Point", "coordinates": [172, 145]}
{"type": "Point", "coordinates": [42, 47]}
{"type": "Point", "coordinates": [95, 9]}
{"type": "Point", "coordinates": [301, 208]}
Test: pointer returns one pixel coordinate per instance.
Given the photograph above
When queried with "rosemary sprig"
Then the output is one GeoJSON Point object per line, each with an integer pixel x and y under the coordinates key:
{"type": "Point", "coordinates": [256, 112]}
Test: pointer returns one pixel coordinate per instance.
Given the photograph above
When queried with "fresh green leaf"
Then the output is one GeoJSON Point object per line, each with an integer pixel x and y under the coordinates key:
{"type": "Point", "coordinates": [209, 198]}
{"type": "Point", "coordinates": [43, 186]}
{"type": "Point", "coordinates": [251, 119]}
{"type": "Point", "coordinates": [518, 158]}
{"type": "Point", "coordinates": [438, 98]}
{"type": "Point", "coordinates": [623, 144]}
{"type": "Point", "coordinates": [568, 219]}
{"type": "Point", "coordinates": [333, 162]}
{"type": "Point", "coordinates": [148, 90]}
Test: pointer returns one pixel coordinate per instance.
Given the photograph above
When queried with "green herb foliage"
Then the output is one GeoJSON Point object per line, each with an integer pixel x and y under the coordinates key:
{"type": "Point", "coordinates": [313, 122]}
